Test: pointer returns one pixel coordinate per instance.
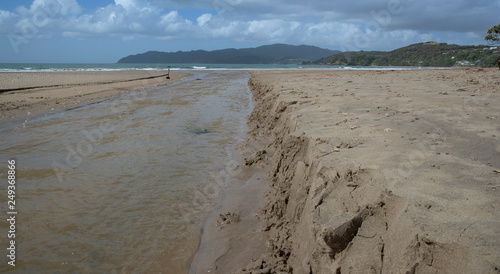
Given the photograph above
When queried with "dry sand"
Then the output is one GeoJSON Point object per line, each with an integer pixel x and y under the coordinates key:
{"type": "Point", "coordinates": [371, 172]}
{"type": "Point", "coordinates": [24, 95]}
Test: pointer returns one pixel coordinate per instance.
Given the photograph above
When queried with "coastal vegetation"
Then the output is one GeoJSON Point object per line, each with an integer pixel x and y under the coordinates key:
{"type": "Point", "coordinates": [429, 54]}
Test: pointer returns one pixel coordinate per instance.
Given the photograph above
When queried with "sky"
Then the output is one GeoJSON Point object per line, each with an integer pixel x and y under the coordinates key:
{"type": "Point", "coordinates": [103, 31]}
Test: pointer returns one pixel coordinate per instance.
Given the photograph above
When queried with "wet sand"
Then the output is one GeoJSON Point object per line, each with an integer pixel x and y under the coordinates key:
{"type": "Point", "coordinates": [372, 172]}
{"type": "Point", "coordinates": [24, 95]}
{"type": "Point", "coordinates": [232, 232]}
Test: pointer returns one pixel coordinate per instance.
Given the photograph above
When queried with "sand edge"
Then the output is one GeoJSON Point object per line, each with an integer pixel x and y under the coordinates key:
{"type": "Point", "coordinates": [332, 209]}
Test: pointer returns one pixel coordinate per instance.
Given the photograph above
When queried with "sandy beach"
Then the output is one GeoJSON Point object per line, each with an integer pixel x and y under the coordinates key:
{"type": "Point", "coordinates": [24, 95]}
{"type": "Point", "coordinates": [371, 172]}
{"type": "Point", "coordinates": [374, 171]}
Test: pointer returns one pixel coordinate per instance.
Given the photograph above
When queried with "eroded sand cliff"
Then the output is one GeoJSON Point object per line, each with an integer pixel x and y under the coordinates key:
{"type": "Point", "coordinates": [378, 171]}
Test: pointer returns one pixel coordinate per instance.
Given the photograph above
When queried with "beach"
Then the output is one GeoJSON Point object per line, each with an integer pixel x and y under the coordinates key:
{"type": "Point", "coordinates": [340, 171]}
{"type": "Point", "coordinates": [24, 95]}
{"type": "Point", "coordinates": [377, 171]}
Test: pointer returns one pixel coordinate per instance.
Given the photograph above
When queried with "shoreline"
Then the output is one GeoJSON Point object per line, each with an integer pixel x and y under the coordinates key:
{"type": "Point", "coordinates": [234, 223]}
{"type": "Point", "coordinates": [390, 171]}
{"type": "Point", "coordinates": [29, 95]}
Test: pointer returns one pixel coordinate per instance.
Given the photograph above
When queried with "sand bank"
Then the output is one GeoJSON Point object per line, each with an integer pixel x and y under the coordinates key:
{"type": "Point", "coordinates": [375, 172]}
{"type": "Point", "coordinates": [24, 95]}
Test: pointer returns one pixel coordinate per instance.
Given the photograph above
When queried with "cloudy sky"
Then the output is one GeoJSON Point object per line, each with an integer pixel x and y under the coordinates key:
{"type": "Point", "coordinates": [103, 31]}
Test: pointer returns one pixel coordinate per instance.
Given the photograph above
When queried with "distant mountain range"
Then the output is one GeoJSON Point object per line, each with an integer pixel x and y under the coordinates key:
{"type": "Point", "coordinates": [270, 54]}
{"type": "Point", "coordinates": [429, 54]}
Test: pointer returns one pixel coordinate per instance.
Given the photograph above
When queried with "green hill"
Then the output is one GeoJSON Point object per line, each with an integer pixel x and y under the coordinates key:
{"type": "Point", "coordinates": [430, 54]}
{"type": "Point", "coordinates": [270, 54]}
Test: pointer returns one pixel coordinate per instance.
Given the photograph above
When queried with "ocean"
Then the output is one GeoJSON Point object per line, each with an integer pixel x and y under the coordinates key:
{"type": "Point", "coordinates": [27, 67]}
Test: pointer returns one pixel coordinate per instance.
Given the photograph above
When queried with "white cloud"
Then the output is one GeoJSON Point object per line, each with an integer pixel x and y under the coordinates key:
{"type": "Point", "coordinates": [55, 8]}
{"type": "Point", "coordinates": [4, 15]}
{"type": "Point", "coordinates": [127, 4]}
{"type": "Point", "coordinates": [110, 19]}
{"type": "Point", "coordinates": [42, 18]}
{"type": "Point", "coordinates": [341, 24]}
{"type": "Point", "coordinates": [270, 29]}
{"type": "Point", "coordinates": [7, 19]}
{"type": "Point", "coordinates": [223, 29]}
{"type": "Point", "coordinates": [173, 24]}
{"type": "Point", "coordinates": [131, 18]}
{"type": "Point", "coordinates": [170, 18]}
{"type": "Point", "coordinates": [203, 19]}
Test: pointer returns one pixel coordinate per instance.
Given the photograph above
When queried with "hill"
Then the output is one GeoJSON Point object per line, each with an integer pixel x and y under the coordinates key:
{"type": "Point", "coordinates": [430, 54]}
{"type": "Point", "coordinates": [270, 54]}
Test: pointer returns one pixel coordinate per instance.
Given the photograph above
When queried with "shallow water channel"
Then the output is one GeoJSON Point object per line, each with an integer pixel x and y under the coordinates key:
{"type": "Point", "coordinates": [123, 185]}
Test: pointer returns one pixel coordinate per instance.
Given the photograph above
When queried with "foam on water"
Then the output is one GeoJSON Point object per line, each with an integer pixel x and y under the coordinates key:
{"type": "Point", "coordinates": [118, 67]}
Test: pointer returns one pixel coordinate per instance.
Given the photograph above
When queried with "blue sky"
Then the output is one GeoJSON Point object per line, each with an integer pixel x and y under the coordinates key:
{"type": "Point", "coordinates": [78, 31]}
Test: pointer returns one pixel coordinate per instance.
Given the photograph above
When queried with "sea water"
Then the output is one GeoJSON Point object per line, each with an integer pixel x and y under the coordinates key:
{"type": "Point", "coordinates": [34, 67]}
{"type": "Point", "coordinates": [122, 186]}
